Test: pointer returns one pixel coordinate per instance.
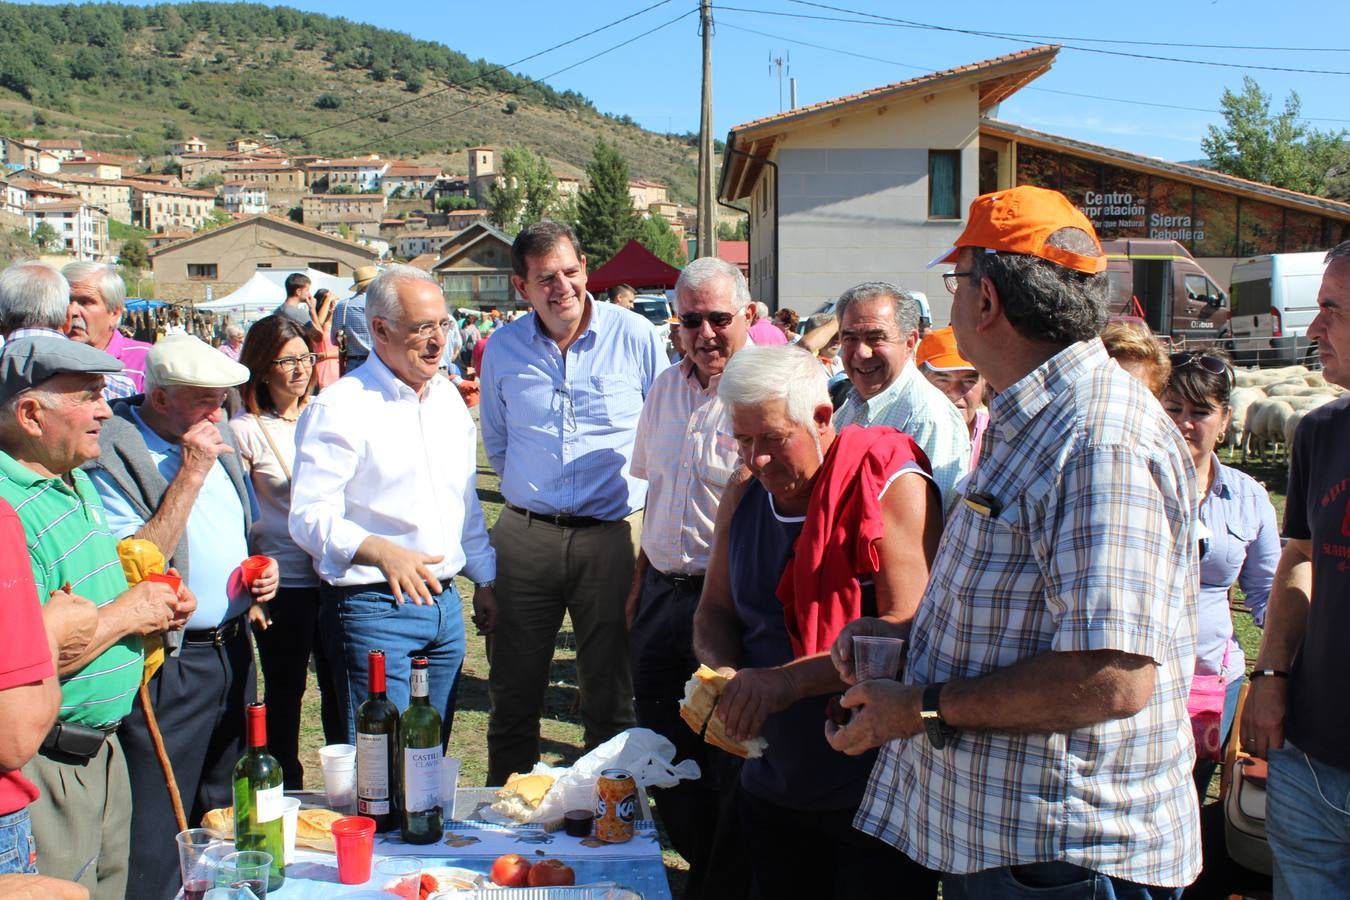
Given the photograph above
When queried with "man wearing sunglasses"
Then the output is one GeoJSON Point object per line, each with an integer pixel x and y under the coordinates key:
{"type": "Point", "coordinates": [1296, 714]}
{"type": "Point", "coordinates": [685, 450]}
{"type": "Point", "coordinates": [562, 390]}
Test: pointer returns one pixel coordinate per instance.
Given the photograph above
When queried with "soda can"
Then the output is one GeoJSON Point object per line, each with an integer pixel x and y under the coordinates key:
{"type": "Point", "coordinates": [615, 806]}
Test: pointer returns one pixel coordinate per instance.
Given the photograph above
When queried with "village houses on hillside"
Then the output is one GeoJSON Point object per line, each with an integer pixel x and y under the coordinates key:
{"type": "Point", "coordinates": [387, 207]}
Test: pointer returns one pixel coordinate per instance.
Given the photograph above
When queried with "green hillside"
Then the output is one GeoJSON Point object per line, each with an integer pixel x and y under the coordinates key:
{"type": "Point", "coordinates": [130, 79]}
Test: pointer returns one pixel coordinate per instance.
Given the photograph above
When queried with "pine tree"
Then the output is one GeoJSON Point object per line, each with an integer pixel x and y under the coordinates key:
{"type": "Point", "coordinates": [655, 234]}
{"type": "Point", "coordinates": [606, 219]}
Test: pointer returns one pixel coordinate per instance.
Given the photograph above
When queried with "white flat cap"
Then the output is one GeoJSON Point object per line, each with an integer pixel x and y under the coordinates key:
{"type": "Point", "coordinates": [186, 360]}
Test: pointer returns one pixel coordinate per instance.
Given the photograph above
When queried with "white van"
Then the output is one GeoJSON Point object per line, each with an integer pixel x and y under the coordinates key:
{"type": "Point", "coordinates": [1274, 300]}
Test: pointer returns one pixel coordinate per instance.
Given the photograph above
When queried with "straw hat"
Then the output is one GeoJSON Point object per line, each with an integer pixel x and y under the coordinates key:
{"type": "Point", "coordinates": [362, 276]}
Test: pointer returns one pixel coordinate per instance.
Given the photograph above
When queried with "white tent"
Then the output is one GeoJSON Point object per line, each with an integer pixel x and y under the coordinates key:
{"type": "Point", "coordinates": [262, 293]}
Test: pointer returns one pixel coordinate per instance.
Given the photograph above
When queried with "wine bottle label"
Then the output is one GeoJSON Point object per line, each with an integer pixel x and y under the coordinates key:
{"type": "Point", "coordinates": [420, 683]}
{"type": "Point", "coordinates": [421, 778]}
{"type": "Point", "coordinates": [268, 803]}
{"type": "Point", "coordinates": [372, 773]}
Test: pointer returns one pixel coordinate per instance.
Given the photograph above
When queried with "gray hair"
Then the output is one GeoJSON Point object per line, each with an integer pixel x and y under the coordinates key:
{"type": "Point", "coordinates": [706, 269]}
{"type": "Point", "coordinates": [819, 319]}
{"type": "Point", "coordinates": [1340, 251]}
{"type": "Point", "coordinates": [903, 302]}
{"type": "Point", "coordinates": [758, 375]}
{"type": "Point", "coordinates": [33, 295]}
{"type": "Point", "coordinates": [382, 300]}
{"type": "Point", "coordinates": [1044, 301]}
{"type": "Point", "coordinates": [233, 330]}
{"type": "Point", "coordinates": [761, 309]}
{"type": "Point", "coordinates": [106, 281]}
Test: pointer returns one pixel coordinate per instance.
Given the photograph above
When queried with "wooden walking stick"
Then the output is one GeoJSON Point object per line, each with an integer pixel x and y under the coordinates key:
{"type": "Point", "coordinates": [139, 558]}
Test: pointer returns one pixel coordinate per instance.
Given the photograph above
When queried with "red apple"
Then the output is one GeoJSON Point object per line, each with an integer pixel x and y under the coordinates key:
{"type": "Point", "coordinates": [551, 872]}
{"type": "Point", "coordinates": [511, 870]}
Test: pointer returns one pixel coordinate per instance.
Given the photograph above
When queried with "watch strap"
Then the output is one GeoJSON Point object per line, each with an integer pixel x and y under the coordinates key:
{"type": "Point", "coordinates": [938, 731]}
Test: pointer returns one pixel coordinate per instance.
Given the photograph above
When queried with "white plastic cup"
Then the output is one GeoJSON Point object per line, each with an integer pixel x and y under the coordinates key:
{"type": "Point", "coordinates": [876, 657]}
{"type": "Point", "coordinates": [339, 776]}
{"type": "Point", "coordinates": [290, 815]}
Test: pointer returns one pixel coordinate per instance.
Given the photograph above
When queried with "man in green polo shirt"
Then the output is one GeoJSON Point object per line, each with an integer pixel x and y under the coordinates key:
{"type": "Point", "coordinates": [51, 411]}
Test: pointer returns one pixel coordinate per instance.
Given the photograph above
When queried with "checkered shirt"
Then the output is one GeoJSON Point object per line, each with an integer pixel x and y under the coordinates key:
{"type": "Point", "coordinates": [1095, 548]}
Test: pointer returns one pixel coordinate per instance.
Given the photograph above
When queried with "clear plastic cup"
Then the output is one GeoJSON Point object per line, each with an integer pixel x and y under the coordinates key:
{"type": "Point", "coordinates": [354, 843]}
{"type": "Point", "coordinates": [877, 657]}
{"type": "Point", "coordinates": [290, 817]}
{"type": "Point", "coordinates": [449, 784]}
{"type": "Point", "coordinates": [339, 776]}
{"type": "Point", "coordinates": [199, 853]}
{"type": "Point", "coordinates": [400, 876]}
{"type": "Point", "coordinates": [245, 869]}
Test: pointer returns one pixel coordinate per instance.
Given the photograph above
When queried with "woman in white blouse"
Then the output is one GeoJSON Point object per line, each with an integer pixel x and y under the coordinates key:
{"type": "Point", "coordinates": [281, 380]}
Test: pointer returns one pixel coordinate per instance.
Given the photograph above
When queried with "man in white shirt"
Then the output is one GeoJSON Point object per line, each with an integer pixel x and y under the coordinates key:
{"type": "Point", "coordinates": [879, 332]}
{"type": "Point", "coordinates": [383, 498]}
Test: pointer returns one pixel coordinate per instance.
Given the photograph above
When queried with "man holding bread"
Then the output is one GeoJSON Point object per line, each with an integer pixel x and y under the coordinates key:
{"type": "Point", "coordinates": [782, 581]}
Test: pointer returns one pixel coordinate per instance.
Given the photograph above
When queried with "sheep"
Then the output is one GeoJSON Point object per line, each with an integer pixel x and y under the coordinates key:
{"type": "Point", "coordinates": [1239, 402]}
{"type": "Point", "coordinates": [1290, 427]}
{"type": "Point", "coordinates": [1265, 426]}
{"type": "Point", "coordinates": [1287, 388]}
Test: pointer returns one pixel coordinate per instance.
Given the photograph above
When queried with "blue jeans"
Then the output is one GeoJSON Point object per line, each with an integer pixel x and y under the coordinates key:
{"type": "Point", "coordinates": [1308, 826]}
{"type": "Point", "coordinates": [355, 620]}
{"type": "Point", "coordinates": [1048, 881]}
{"type": "Point", "coordinates": [18, 852]}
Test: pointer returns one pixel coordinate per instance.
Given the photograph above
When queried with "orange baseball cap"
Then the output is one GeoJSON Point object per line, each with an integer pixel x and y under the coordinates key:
{"type": "Point", "coordinates": [1020, 220]}
{"type": "Point", "coordinates": [938, 352]}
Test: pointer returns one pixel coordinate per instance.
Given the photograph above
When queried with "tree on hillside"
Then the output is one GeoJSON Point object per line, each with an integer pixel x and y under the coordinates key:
{"type": "Point", "coordinates": [655, 234]}
{"type": "Point", "coordinates": [606, 219]}
{"type": "Point", "coordinates": [45, 237]}
{"type": "Point", "coordinates": [1273, 148]}
{"type": "Point", "coordinates": [134, 255]}
{"type": "Point", "coordinates": [525, 191]}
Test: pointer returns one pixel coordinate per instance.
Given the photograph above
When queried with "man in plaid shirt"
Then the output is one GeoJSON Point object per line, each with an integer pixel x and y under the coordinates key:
{"type": "Point", "coordinates": [1039, 742]}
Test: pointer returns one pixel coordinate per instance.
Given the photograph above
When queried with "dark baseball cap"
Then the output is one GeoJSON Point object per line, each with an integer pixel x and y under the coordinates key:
{"type": "Point", "coordinates": [29, 361]}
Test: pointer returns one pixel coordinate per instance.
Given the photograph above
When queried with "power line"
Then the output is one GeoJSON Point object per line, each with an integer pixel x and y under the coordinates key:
{"type": "Point", "coordinates": [540, 79]}
{"type": "Point", "coordinates": [481, 75]}
{"type": "Point", "coordinates": [1123, 41]}
{"type": "Point", "coordinates": [876, 19]}
{"type": "Point", "coordinates": [1044, 90]}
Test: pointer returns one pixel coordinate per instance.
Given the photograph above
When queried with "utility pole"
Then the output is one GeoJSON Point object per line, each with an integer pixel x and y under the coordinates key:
{"type": "Point", "coordinates": [707, 201]}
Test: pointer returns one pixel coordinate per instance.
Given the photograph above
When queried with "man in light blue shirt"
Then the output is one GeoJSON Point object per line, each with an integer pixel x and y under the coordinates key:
{"type": "Point", "coordinates": [879, 331]}
{"type": "Point", "coordinates": [562, 390]}
{"type": "Point", "coordinates": [349, 320]}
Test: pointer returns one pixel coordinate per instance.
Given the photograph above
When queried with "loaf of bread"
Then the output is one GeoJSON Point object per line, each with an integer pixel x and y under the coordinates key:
{"type": "Point", "coordinates": [520, 797]}
{"type": "Point", "coordinates": [313, 827]}
{"type": "Point", "coordinates": [699, 711]}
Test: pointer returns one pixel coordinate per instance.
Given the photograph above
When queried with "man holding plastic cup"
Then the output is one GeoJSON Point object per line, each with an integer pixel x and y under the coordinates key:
{"type": "Point", "coordinates": [831, 527]}
{"type": "Point", "coordinates": [168, 472]}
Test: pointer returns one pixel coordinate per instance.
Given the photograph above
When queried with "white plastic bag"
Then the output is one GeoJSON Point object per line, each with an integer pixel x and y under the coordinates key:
{"type": "Point", "coordinates": [648, 755]}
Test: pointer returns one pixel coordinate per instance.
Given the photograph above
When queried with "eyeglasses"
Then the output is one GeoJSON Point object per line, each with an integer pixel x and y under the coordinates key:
{"type": "Point", "coordinates": [949, 280]}
{"type": "Point", "coordinates": [426, 330]}
{"type": "Point", "coordinates": [297, 362]}
{"type": "Point", "coordinates": [694, 321]}
{"type": "Point", "coordinates": [1214, 365]}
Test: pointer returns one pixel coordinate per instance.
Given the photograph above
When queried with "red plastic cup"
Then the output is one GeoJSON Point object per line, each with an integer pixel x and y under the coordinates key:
{"type": "Point", "coordinates": [354, 840]}
{"type": "Point", "coordinates": [173, 581]}
{"type": "Point", "coordinates": [253, 567]}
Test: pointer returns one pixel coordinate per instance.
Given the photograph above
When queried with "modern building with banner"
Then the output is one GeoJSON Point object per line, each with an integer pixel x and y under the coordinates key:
{"type": "Point", "coordinates": [875, 184]}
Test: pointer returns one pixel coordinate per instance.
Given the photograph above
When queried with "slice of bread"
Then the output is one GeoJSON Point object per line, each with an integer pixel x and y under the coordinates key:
{"type": "Point", "coordinates": [698, 709]}
{"type": "Point", "coordinates": [520, 797]}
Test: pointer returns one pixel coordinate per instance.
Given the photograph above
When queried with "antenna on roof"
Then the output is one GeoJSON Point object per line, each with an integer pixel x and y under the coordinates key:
{"type": "Point", "coordinates": [783, 65]}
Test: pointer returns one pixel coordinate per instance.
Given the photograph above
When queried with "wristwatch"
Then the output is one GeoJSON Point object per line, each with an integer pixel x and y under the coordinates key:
{"type": "Point", "coordinates": [486, 584]}
{"type": "Point", "coordinates": [938, 730]}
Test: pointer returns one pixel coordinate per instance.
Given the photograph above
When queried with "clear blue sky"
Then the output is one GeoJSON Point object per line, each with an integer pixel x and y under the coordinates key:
{"type": "Point", "coordinates": [655, 79]}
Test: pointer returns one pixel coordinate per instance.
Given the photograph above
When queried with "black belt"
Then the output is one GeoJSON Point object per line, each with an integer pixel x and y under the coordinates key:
{"type": "Point", "coordinates": [683, 582]}
{"type": "Point", "coordinates": [561, 520]}
{"type": "Point", "coordinates": [74, 739]}
{"type": "Point", "coordinates": [218, 635]}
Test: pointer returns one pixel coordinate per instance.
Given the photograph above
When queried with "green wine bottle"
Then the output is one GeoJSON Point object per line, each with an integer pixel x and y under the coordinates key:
{"type": "Point", "coordinates": [257, 797]}
{"type": "Point", "coordinates": [376, 749]}
{"type": "Point", "coordinates": [420, 734]}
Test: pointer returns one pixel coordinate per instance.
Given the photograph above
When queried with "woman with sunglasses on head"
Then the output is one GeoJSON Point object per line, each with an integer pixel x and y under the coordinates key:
{"type": "Point", "coordinates": [1240, 540]}
{"type": "Point", "coordinates": [281, 380]}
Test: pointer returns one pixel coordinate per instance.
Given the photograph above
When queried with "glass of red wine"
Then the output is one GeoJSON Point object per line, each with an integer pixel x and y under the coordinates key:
{"type": "Point", "coordinates": [245, 869]}
{"type": "Point", "coordinates": [199, 853]}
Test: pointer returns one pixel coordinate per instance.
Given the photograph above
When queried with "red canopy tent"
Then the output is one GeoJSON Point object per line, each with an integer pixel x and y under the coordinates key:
{"type": "Point", "coordinates": [634, 265]}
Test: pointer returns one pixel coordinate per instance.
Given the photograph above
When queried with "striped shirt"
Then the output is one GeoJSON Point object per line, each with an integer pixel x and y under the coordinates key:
{"type": "Point", "coordinates": [1095, 548]}
{"type": "Point", "coordinates": [69, 542]}
{"type": "Point", "coordinates": [912, 405]}
{"type": "Point", "coordinates": [685, 450]}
